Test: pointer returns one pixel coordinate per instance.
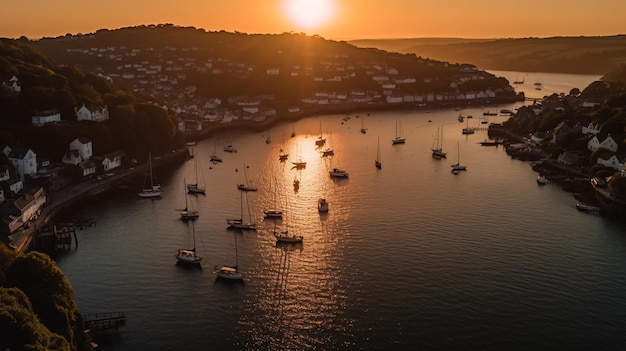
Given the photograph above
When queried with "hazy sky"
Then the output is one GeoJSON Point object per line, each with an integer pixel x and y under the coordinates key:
{"type": "Point", "coordinates": [331, 19]}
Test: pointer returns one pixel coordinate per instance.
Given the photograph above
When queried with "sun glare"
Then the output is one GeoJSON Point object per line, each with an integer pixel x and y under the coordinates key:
{"type": "Point", "coordinates": [309, 14]}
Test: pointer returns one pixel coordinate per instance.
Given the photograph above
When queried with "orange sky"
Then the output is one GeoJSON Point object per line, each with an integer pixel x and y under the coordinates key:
{"type": "Point", "coordinates": [352, 19]}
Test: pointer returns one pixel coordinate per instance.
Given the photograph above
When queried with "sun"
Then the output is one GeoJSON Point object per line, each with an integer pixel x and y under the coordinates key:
{"type": "Point", "coordinates": [309, 14]}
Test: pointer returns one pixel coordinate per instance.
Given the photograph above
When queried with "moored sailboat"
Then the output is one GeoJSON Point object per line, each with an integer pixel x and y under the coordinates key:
{"type": "Point", "coordinates": [399, 139]}
{"type": "Point", "coordinates": [188, 256]}
{"type": "Point", "coordinates": [230, 273]}
{"type": "Point", "coordinates": [238, 223]}
{"type": "Point", "coordinates": [437, 149]}
{"type": "Point", "coordinates": [457, 166]}
{"type": "Point", "coordinates": [149, 189]}
{"type": "Point", "coordinates": [377, 162]}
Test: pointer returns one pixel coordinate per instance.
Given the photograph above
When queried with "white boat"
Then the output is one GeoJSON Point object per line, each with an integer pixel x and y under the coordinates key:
{"type": "Point", "coordinates": [378, 164]}
{"type": "Point", "coordinates": [438, 144]}
{"type": "Point", "coordinates": [538, 86]}
{"type": "Point", "coordinates": [322, 205]}
{"type": "Point", "coordinates": [457, 166]}
{"type": "Point", "coordinates": [238, 223]}
{"type": "Point", "coordinates": [230, 273]}
{"type": "Point", "coordinates": [461, 118]}
{"type": "Point", "coordinates": [191, 143]}
{"type": "Point", "coordinates": [246, 186]}
{"type": "Point", "coordinates": [399, 139]}
{"type": "Point", "coordinates": [188, 256]}
{"type": "Point", "coordinates": [197, 187]}
{"type": "Point", "coordinates": [542, 180]}
{"type": "Point", "coordinates": [274, 212]}
{"type": "Point", "coordinates": [149, 189]}
{"type": "Point", "coordinates": [338, 173]}
{"type": "Point", "coordinates": [188, 213]}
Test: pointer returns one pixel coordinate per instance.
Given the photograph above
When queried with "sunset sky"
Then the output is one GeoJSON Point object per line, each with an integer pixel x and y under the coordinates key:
{"type": "Point", "coordinates": [331, 19]}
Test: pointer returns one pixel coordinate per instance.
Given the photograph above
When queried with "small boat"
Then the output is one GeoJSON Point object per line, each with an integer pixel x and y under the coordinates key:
{"type": "Point", "coordinates": [338, 173]}
{"type": "Point", "coordinates": [399, 139]}
{"type": "Point", "coordinates": [196, 187]}
{"type": "Point", "coordinates": [214, 157]}
{"type": "Point", "coordinates": [457, 166]}
{"type": "Point", "coordinates": [542, 180]}
{"type": "Point", "coordinates": [377, 162]}
{"type": "Point", "coordinates": [230, 273]}
{"type": "Point", "coordinates": [191, 143]}
{"type": "Point", "coordinates": [490, 143]}
{"type": "Point", "coordinates": [489, 113]}
{"type": "Point", "coordinates": [188, 256]}
{"type": "Point", "coordinates": [506, 111]}
{"type": "Point", "coordinates": [293, 131]}
{"type": "Point", "coordinates": [320, 140]}
{"type": "Point", "coordinates": [322, 205]}
{"type": "Point", "coordinates": [461, 118]}
{"type": "Point", "coordinates": [149, 189]}
{"type": "Point", "coordinates": [285, 237]}
{"type": "Point", "coordinates": [437, 149]}
{"type": "Point", "coordinates": [275, 212]}
{"type": "Point", "coordinates": [246, 186]}
{"type": "Point", "coordinates": [363, 129]}
{"type": "Point", "coordinates": [587, 208]}
{"type": "Point", "coordinates": [538, 86]}
{"type": "Point", "coordinates": [283, 156]}
{"type": "Point", "coordinates": [230, 148]}
{"type": "Point", "coordinates": [188, 213]}
{"type": "Point", "coordinates": [268, 140]}
{"type": "Point", "coordinates": [238, 223]}
{"type": "Point", "coordinates": [467, 129]}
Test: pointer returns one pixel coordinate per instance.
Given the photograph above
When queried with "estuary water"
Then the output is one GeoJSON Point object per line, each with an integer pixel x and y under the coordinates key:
{"type": "Point", "coordinates": [410, 256]}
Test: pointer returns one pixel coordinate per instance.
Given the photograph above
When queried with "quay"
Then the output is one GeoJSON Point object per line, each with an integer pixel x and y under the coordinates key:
{"type": "Point", "coordinates": [104, 321]}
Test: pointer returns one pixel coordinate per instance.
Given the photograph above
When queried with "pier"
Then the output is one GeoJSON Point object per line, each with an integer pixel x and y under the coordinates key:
{"type": "Point", "coordinates": [104, 321]}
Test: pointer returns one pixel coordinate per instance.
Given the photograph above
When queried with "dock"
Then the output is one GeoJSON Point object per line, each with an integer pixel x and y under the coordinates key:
{"type": "Point", "coordinates": [104, 321]}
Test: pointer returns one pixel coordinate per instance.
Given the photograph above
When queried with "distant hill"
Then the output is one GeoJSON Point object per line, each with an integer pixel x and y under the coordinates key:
{"type": "Point", "coordinates": [579, 55]}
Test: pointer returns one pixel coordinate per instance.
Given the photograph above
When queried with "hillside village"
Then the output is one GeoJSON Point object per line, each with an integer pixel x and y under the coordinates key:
{"type": "Point", "coordinates": [186, 85]}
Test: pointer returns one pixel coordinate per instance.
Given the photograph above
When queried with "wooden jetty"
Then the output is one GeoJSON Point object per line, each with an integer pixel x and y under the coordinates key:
{"type": "Point", "coordinates": [104, 321]}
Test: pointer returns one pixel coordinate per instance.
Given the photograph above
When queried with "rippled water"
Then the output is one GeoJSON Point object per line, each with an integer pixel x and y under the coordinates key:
{"type": "Point", "coordinates": [409, 256]}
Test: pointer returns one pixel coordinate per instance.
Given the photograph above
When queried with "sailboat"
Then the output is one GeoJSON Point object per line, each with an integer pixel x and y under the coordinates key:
{"type": "Point", "coordinates": [293, 131]}
{"type": "Point", "coordinates": [438, 144]}
{"type": "Point", "coordinates": [467, 129]}
{"type": "Point", "coordinates": [274, 212]}
{"type": "Point", "coordinates": [283, 156]}
{"type": "Point", "coordinates": [268, 139]}
{"type": "Point", "coordinates": [238, 223]}
{"type": "Point", "coordinates": [398, 139]}
{"type": "Point", "coordinates": [328, 151]}
{"type": "Point", "coordinates": [149, 188]}
{"type": "Point", "coordinates": [188, 256]}
{"type": "Point", "coordinates": [299, 164]}
{"type": "Point", "coordinates": [377, 162]}
{"type": "Point", "coordinates": [188, 213]}
{"type": "Point", "coordinates": [320, 140]}
{"type": "Point", "coordinates": [246, 186]}
{"type": "Point", "coordinates": [457, 166]}
{"type": "Point", "coordinates": [230, 272]}
{"type": "Point", "coordinates": [322, 205]}
{"type": "Point", "coordinates": [363, 129]}
{"type": "Point", "coordinates": [214, 157]}
{"type": "Point", "coordinates": [229, 147]}
{"type": "Point", "coordinates": [338, 173]}
{"type": "Point", "coordinates": [286, 238]}
{"type": "Point", "coordinates": [196, 187]}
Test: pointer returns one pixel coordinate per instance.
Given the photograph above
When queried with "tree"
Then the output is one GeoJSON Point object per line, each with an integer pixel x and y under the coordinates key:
{"type": "Point", "coordinates": [21, 329]}
{"type": "Point", "coordinates": [48, 290]}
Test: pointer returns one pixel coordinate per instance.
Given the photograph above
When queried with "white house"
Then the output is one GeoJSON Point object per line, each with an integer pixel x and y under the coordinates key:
{"type": "Point", "coordinates": [98, 114]}
{"type": "Point", "coordinates": [83, 146]}
{"type": "Point", "coordinates": [609, 159]}
{"type": "Point", "coordinates": [608, 143]}
{"type": "Point", "coordinates": [112, 161]}
{"type": "Point", "coordinates": [591, 129]}
{"type": "Point", "coordinates": [24, 161]}
{"type": "Point", "coordinates": [46, 117]}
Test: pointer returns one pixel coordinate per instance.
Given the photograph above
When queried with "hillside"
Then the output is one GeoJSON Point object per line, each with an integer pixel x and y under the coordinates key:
{"type": "Point", "coordinates": [578, 55]}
